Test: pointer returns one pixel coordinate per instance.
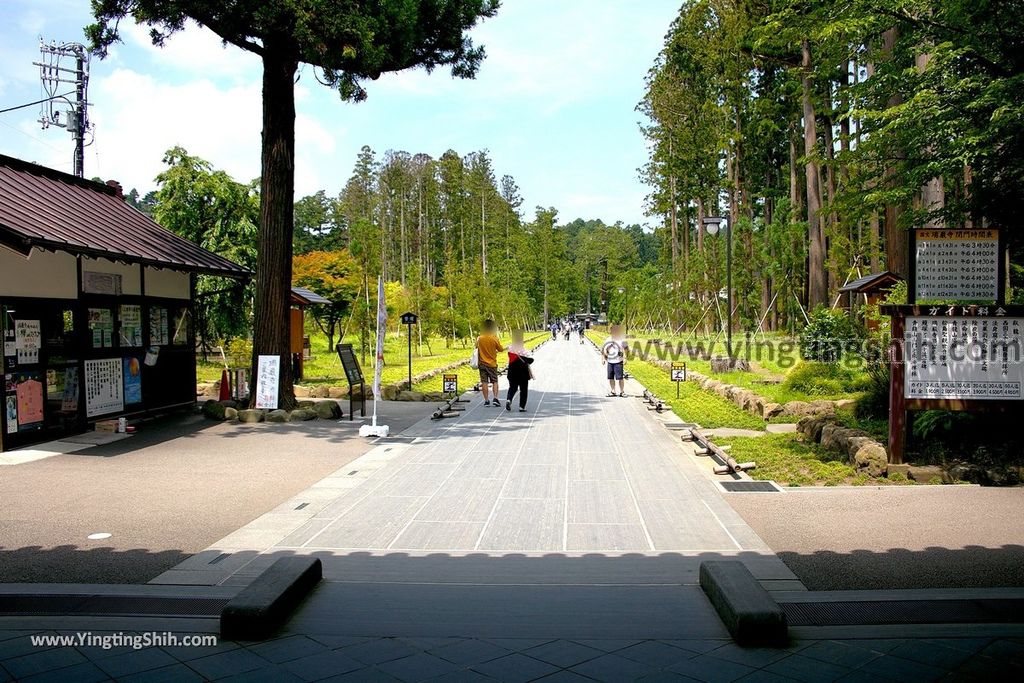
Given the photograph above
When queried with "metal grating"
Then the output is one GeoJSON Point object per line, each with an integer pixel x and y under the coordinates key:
{"type": "Point", "coordinates": [749, 486]}
{"type": "Point", "coordinates": [107, 605]}
{"type": "Point", "coordinates": [983, 611]}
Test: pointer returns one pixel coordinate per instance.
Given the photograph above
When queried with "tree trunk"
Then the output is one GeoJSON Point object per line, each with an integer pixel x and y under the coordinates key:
{"type": "Point", "coordinates": [277, 194]}
{"type": "Point", "coordinates": [897, 240]}
{"type": "Point", "coordinates": [818, 287]}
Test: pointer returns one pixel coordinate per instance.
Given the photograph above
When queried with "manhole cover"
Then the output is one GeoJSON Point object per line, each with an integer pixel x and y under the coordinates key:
{"type": "Point", "coordinates": [750, 486]}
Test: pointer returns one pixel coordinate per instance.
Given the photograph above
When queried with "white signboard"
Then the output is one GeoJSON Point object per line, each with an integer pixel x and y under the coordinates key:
{"type": "Point", "coordinates": [104, 387]}
{"type": "Point", "coordinates": [962, 265]}
{"type": "Point", "coordinates": [267, 375]}
{"type": "Point", "coordinates": [27, 340]}
{"type": "Point", "coordinates": [678, 372]}
{"type": "Point", "coordinates": [450, 384]}
{"type": "Point", "coordinates": [961, 357]}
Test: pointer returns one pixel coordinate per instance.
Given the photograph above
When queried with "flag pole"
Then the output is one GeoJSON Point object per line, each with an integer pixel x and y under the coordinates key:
{"type": "Point", "coordinates": [374, 429]}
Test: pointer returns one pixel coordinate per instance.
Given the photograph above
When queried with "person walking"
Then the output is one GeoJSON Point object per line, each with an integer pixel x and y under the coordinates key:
{"type": "Point", "coordinates": [613, 357]}
{"type": "Point", "coordinates": [554, 331]}
{"type": "Point", "coordinates": [519, 373]}
{"type": "Point", "coordinates": [488, 346]}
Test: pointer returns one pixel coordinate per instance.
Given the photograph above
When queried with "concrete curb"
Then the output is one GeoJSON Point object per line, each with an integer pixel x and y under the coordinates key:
{"type": "Point", "coordinates": [264, 605]}
{"type": "Point", "coordinates": [747, 610]}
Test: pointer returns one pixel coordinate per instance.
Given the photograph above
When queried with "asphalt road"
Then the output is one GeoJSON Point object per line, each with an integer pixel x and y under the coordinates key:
{"type": "Point", "coordinates": [171, 490]}
{"type": "Point", "coordinates": [893, 537]}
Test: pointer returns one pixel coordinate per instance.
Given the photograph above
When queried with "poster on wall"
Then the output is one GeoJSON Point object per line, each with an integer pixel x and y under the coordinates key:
{"type": "Point", "coordinates": [101, 327]}
{"type": "Point", "coordinates": [104, 387]}
{"type": "Point", "coordinates": [132, 381]}
{"type": "Point", "coordinates": [69, 397]}
{"type": "Point", "coordinates": [131, 325]}
{"type": "Point", "coordinates": [29, 395]}
{"type": "Point", "coordinates": [101, 283]}
{"type": "Point", "coordinates": [27, 340]}
{"type": "Point", "coordinates": [181, 326]}
{"type": "Point", "coordinates": [268, 371]}
{"type": "Point", "coordinates": [158, 324]}
{"type": "Point", "coordinates": [152, 356]}
{"type": "Point", "coordinates": [12, 414]}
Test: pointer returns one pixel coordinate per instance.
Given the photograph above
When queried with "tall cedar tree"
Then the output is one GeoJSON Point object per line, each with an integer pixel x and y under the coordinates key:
{"type": "Point", "coordinates": [350, 41]}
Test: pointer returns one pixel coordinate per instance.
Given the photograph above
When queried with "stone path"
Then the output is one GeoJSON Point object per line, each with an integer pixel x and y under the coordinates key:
{"type": "Point", "coordinates": [578, 474]}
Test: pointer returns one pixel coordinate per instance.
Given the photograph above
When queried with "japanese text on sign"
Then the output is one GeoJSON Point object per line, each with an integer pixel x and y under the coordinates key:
{"type": "Point", "coordinates": [957, 264]}
{"type": "Point", "coordinates": [267, 374]}
{"type": "Point", "coordinates": [450, 385]}
{"type": "Point", "coordinates": [959, 357]}
{"type": "Point", "coordinates": [104, 387]}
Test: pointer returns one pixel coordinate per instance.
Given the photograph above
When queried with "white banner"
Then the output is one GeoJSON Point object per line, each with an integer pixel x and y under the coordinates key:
{"type": "Point", "coordinates": [268, 375]}
{"type": "Point", "coordinates": [382, 326]}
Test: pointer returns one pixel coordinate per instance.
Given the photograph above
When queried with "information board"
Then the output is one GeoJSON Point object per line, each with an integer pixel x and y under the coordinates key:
{"type": "Point", "coordinates": [450, 384]}
{"type": "Point", "coordinates": [961, 265]}
{"type": "Point", "coordinates": [353, 373]}
{"type": "Point", "coordinates": [104, 387]}
{"type": "Point", "coordinates": [963, 357]}
{"type": "Point", "coordinates": [28, 339]}
{"type": "Point", "coordinates": [268, 372]}
{"type": "Point", "coordinates": [678, 372]}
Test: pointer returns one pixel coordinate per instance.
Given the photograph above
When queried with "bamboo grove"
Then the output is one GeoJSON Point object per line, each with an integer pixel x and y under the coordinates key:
{"type": "Point", "coordinates": [823, 131]}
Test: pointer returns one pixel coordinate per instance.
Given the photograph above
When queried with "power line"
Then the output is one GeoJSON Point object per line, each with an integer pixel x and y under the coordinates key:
{"type": "Point", "coordinates": [32, 104]}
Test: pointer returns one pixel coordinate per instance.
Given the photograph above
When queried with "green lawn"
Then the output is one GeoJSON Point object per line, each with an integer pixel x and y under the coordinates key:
{"type": "Point", "coordinates": [788, 460]}
{"type": "Point", "coordinates": [325, 368]}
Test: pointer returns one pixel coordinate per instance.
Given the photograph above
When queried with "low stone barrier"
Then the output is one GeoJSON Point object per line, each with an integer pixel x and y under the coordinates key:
{"type": "Point", "coordinates": [225, 411]}
{"type": "Point", "coordinates": [861, 449]}
{"type": "Point", "coordinates": [752, 402]}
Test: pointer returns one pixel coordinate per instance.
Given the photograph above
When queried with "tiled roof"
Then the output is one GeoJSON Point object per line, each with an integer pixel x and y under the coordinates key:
{"type": "Point", "coordinates": [55, 211]}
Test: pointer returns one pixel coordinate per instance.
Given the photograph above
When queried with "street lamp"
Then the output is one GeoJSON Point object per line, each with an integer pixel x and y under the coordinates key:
{"type": "Point", "coordinates": [712, 225]}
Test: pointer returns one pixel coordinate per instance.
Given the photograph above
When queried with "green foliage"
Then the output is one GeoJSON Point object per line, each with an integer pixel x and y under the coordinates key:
{"type": "Point", "coordinates": [208, 207]}
{"type": "Point", "coordinates": [790, 461]}
{"type": "Point", "coordinates": [815, 378]}
{"type": "Point", "coordinates": [874, 402]}
{"type": "Point", "coordinates": [828, 334]}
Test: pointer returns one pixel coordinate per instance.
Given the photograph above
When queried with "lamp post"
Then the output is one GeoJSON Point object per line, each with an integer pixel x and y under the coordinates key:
{"type": "Point", "coordinates": [712, 225]}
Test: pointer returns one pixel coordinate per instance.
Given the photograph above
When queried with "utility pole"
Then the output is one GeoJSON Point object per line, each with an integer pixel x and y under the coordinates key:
{"type": "Point", "coordinates": [52, 74]}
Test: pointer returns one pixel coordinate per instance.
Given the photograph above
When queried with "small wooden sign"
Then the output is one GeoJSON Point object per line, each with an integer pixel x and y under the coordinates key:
{"type": "Point", "coordinates": [347, 355]}
{"type": "Point", "coordinates": [678, 372]}
{"type": "Point", "coordinates": [409, 318]}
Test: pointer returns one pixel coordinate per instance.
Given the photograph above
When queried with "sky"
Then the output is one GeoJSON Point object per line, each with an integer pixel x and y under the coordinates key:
{"type": "Point", "coordinates": [554, 104]}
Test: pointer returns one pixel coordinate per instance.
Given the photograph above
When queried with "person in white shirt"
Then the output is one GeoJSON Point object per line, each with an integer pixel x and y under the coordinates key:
{"type": "Point", "coordinates": [613, 357]}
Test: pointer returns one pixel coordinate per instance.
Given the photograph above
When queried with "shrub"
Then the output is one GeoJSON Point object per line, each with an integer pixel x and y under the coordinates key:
{"type": "Point", "coordinates": [824, 379]}
{"type": "Point", "coordinates": [873, 404]}
{"type": "Point", "coordinates": [827, 335]}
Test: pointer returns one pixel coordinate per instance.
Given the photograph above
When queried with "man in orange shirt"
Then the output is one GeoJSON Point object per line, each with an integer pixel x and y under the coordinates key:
{"type": "Point", "coordinates": [488, 347]}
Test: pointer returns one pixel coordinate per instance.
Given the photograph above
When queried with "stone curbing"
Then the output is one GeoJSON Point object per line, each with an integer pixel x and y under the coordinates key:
{"type": "Point", "coordinates": [861, 449]}
{"type": "Point", "coordinates": [752, 402]}
{"type": "Point", "coordinates": [229, 411]}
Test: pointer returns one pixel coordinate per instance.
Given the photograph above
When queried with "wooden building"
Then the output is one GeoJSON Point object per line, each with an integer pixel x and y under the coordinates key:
{"type": "Point", "coordinates": [96, 301]}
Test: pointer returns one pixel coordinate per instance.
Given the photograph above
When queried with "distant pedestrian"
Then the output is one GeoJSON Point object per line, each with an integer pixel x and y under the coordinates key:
{"type": "Point", "coordinates": [488, 346]}
{"type": "Point", "coordinates": [519, 372]}
{"type": "Point", "coordinates": [613, 356]}
{"type": "Point", "coordinates": [554, 331]}
{"type": "Point", "coordinates": [581, 331]}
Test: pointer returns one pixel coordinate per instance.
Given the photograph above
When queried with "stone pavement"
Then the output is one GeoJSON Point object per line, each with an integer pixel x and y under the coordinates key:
{"type": "Point", "coordinates": [559, 544]}
{"type": "Point", "coordinates": [347, 658]}
{"type": "Point", "coordinates": [578, 474]}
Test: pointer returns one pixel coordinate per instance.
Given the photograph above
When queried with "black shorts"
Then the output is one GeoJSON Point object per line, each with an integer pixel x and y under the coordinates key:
{"type": "Point", "coordinates": [615, 370]}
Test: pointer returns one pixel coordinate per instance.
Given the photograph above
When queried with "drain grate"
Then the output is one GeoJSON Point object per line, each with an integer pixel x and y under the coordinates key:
{"type": "Point", "coordinates": [107, 605]}
{"type": "Point", "coordinates": [993, 611]}
{"type": "Point", "coordinates": [749, 486]}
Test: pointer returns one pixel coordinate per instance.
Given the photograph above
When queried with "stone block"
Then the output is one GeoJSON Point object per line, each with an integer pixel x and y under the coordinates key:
{"type": "Point", "coordinates": [213, 410]}
{"type": "Point", "coordinates": [301, 391]}
{"type": "Point", "coordinates": [263, 606]}
{"type": "Point", "coordinates": [277, 416]}
{"type": "Point", "coordinates": [302, 415]}
{"type": "Point", "coordinates": [250, 416]}
{"type": "Point", "coordinates": [328, 410]}
{"type": "Point", "coordinates": [871, 459]}
{"type": "Point", "coordinates": [231, 413]}
{"type": "Point", "coordinates": [746, 609]}
{"type": "Point", "coordinates": [410, 396]}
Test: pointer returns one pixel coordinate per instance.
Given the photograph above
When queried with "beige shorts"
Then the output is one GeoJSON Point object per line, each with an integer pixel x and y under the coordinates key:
{"type": "Point", "coordinates": [488, 374]}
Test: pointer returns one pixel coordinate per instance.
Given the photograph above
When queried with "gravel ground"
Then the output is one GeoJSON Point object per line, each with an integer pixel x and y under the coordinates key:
{"type": "Point", "coordinates": [171, 490]}
{"type": "Point", "coordinates": [893, 537]}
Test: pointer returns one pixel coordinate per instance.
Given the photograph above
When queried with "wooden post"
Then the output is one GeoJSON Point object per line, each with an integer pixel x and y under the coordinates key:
{"type": "Point", "coordinates": [897, 401]}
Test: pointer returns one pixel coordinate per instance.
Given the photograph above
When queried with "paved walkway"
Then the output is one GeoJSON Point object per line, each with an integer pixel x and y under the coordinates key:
{"type": "Point", "coordinates": [598, 481]}
{"type": "Point", "coordinates": [561, 544]}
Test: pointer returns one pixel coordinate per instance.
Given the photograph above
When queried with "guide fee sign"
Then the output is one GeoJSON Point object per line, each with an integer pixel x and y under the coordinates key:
{"type": "Point", "coordinates": [964, 357]}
